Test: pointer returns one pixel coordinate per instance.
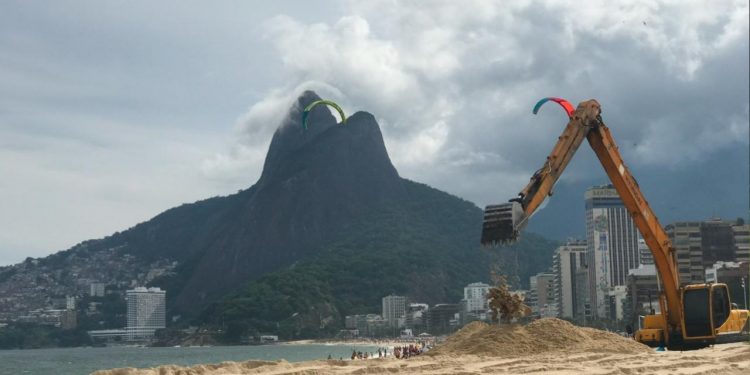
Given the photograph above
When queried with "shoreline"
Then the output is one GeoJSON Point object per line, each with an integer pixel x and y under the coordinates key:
{"type": "Point", "coordinates": [357, 342]}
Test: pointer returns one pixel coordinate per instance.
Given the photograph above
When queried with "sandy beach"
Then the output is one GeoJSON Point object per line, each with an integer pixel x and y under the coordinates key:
{"type": "Point", "coordinates": [721, 359]}
{"type": "Point", "coordinates": [548, 346]}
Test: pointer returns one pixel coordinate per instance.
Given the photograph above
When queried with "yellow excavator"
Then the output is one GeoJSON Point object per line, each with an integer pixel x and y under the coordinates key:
{"type": "Point", "coordinates": [691, 316]}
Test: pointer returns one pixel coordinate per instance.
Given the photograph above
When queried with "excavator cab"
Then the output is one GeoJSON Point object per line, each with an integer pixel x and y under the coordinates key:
{"type": "Point", "coordinates": [706, 307]}
{"type": "Point", "coordinates": [720, 304]}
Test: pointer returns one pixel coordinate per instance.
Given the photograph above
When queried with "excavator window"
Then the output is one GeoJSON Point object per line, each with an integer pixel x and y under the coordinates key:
{"type": "Point", "coordinates": [696, 307]}
{"type": "Point", "coordinates": [720, 304]}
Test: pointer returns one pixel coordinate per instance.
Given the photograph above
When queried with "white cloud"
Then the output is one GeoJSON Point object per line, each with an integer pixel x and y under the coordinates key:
{"type": "Point", "coordinates": [111, 113]}
{"type": "Point", "coordinates": [452, 83]}
{"type": "Point", "coordinates": [254, 129]}
{"type": "Point", "coordinates": [130, 173]}
{"type": "Point", "coordinates": [129, 112]}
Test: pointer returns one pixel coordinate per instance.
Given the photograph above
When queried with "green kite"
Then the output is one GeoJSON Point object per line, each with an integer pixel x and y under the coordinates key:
{"type": "Point", "coordinates": [322, 101]}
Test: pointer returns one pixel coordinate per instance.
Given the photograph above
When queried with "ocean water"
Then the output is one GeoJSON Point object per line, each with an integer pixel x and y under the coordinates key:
{"type": "Point", "coordinates": [78, 361]}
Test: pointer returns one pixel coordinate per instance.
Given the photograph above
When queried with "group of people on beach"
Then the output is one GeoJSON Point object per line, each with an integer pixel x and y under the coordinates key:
{"type": "Point", "coordinates": [404, 352]}
{"type": "Point", "coordinates": [382, 353]}
{"type": "Point", "coordinates": [400, 352]}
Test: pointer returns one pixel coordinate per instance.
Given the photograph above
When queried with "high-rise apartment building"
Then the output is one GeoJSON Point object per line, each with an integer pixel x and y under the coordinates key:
{"type": "Point", "coordinates": [475, 295]}
{"type": "Point", "coordinates": [542, 295]}
{"type": "Point", "coordinates": [70, 302]}
{"type": "Point", "coordinates": [416, 315]}
{"type": "Point", "coordinates": [700, 244]}
{"type": "Point", "coordinates": [394, 310]}
{"type": "Point", "coordinates": [474, 305]}
{"type": "Point", "coordinates": [443, 318]}
{"type": "Point", "coordinates": [741, 241]}
{"type": "Point", "coordinates": [645, 253]}
{"type": "Point", "coordinates": [582, 303]}
{"type": "Point", "coordinates": [146, 312]}
{"type": "Point", "coordinates": [567, 260]}
{"type": "Point", "coordinates": [735, 275]}
{"type": "Point", "coordinates": [612, 245]}
{"type": "Point", "coordinates": [96, 290]}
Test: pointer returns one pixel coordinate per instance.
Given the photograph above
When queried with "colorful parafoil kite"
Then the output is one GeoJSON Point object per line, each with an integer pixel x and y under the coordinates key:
{"type": "Point", "coordinates": [312, 105]}
{"type": "Point", "coordinates": [562, 102]}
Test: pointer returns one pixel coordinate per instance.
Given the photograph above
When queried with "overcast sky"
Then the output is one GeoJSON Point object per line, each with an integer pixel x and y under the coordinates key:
{"type": "Point", "coordinates": [111, 112]}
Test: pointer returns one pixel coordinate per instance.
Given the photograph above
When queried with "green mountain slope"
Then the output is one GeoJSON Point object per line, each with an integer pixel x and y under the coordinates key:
{"type": "Point", "coordinates": [425, 246]}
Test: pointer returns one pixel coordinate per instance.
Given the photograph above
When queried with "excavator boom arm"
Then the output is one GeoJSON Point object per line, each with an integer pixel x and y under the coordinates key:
{"type": "Point", "coordinates": [653, 233]}
{"type": "Point", "coordinates": [542, 182]}
{"type": "Point", "coordinates": [503, 222]}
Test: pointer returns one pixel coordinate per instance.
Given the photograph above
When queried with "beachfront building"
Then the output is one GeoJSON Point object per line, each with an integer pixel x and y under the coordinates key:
{"type": "Point", "coordinates": [567, 260]}
{"type": "Point", "coordinates": [475, 295]}
{"type": "Point", "coordinates": [394, 310]}
{"type": "Point", "coordinates": [643, 291]}
{"type": "Point", "coordinates": [366, 325]}
{"type": "Point", "coordinates": [443, 318]}
{"type": "Point", "coordinates": [96, 289]}
{"type": "Point", "coordinates": [475, 305]}
{"type": "Point", "coordinates": [735, 275]}
{"type": "Point", "coordinates": [146, 312]}
{"type": "Point", "coordinates": [616, 300]}
{"type": "Point", "coordinates": [63, 318]}
{"type": "Point", "coordinates": [541, 298]}
{"type": "Point", "coordinates": [645, 253]}
{"type": "Point", "coordinates": [700, 244]}
{"type": "Point", "coordinates": [416, 316]}
{"type": "Point", "coordinates": [611, 246]}
{"type": "Point", "coordinates": [582, 310]}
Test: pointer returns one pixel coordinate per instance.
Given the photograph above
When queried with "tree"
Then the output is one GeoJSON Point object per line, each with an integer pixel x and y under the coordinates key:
{"type": "Point", "coordinates": [503, 304]}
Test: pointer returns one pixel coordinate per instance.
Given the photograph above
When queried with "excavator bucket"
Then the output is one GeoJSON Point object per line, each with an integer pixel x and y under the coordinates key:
{"type": "Point", "coordinates": [502, 222]}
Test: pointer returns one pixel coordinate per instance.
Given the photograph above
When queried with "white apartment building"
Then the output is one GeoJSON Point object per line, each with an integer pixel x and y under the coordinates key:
{"type": "Point", "coordinates": [568, 260]}
{"type": "Point", "coordinates": [96, 289]}
{"type": "Point", "coordinates": [146, 312]}
{"type": "Point", "coordinates": [394, 310]}
{"type": "Point", "coordinates": [475, 295]}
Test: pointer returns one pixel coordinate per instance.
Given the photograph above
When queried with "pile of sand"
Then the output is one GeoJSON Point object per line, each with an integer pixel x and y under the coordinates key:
{"type": "Point", "coordinates": [540, 336]}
